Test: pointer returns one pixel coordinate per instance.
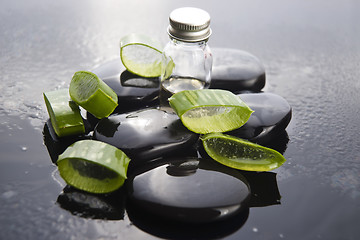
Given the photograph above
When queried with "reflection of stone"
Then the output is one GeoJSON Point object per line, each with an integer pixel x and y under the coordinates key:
{"type": "Point", "coordinates": [278, 141]}
{"type": "Point", "coordinates": [264, 188]}
{"type": "Point", "coordinates": [166, 228]}
{"type": "Point", "coordinates": [87, 205]}
{"type": "Point", "coordinates": [207, 194]}
{"type": "Point", "coordinates": [147, 134]}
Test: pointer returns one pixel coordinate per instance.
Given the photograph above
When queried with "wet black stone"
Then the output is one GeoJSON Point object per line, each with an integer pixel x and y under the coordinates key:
{"type": "Point", "coordinates": [92, 120]}
{"type": "Point", "coordinates": [132, 96]}
{"type": "Point", "coordinates": [236, 70]}
{"type": "Point", "coordinates": [146, 134]}
{"type": "Point", "coordinates": [272, 114]}
{"type": "Point", "coordinates": [133, 91]}
{"type": "Point", "coordinates": [56, 145]}
{"type": "Point", "coordinates": [190, 190]}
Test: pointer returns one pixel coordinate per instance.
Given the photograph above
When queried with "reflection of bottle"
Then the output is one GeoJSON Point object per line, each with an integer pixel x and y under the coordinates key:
{"type": "Point", "coordinates": [187, 59]}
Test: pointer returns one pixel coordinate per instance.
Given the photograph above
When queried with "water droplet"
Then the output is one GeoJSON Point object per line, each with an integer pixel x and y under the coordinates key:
{"type": "Point", "coordinates": [24, 148]}
{"type": "Point", "coordinates": [255, 229]}
{"type": "Point", "coordinates": [281, 235]}
{"type": "Point", "coordinates": [9, 194]}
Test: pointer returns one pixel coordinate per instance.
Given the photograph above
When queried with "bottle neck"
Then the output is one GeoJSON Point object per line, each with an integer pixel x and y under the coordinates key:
{"type": "Point", "coordinates": [190, 44]}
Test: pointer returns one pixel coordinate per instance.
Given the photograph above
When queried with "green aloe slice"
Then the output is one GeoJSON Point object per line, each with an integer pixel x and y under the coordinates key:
{"type": "Point", "coordinates": [93, 166]}
{"type": "Point", "coordinates": [140, 55]}
{"type": "Point", "coordinates": [241, 154]}
{"type": "Point", "coordinates": [64, 113]}
{"type": "Point", "coordinates": [91, 93]}
{"type": "Point", "coordinates": [210, 110]}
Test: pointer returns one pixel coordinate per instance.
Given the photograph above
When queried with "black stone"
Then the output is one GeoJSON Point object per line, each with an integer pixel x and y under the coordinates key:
{"type": "Point", "coordinates": [112, 68]}
{"type": "Point", "coordinates": [146, 134]}
{"type": "Point", "coordinates": [236, 70]}
{"type": "Point", "coordinates": [272, 114]}
{"type": "Point", "coordinates": [189, 190]}
{"type": "Point", "coordinates": [56, 145]}
{"type": "Point", "coordinates": [133, 91]}
{"type": "Point", "coordinates": [132, 97]}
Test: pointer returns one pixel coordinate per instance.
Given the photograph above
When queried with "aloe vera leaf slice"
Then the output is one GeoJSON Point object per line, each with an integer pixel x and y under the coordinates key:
{"type": "Point", "coordinates": [93, 166]}
{"type": "Point", "coordinates": [64, 114]}
{"type": "Point", "coordinates": [241, 154]}
{"type": "Point", "coordinates": [140, 55]}
{"type": "Point", "coordinates": [210, 110]}
{"type": "Point", "coordinates": [91, 93]}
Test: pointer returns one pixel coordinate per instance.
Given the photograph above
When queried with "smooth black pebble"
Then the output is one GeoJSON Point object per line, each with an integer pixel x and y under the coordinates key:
{"type": "Point", "coordinates": [236, 70]}
{"type": "Point", "coordinates": [132, 90]}
{"type": "Point", "coordinates": [190, 190]}
{"type": "Point", "coordinates": [272, 114]}
{"type": "Point", "coordinates": [146, 134]}
{"type": "Point", "coordinates": [57, 145]}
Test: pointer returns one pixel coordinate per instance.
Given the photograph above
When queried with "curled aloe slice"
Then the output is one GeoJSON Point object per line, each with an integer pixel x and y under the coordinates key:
{"type": "Point", "coordinates": [64, 114]}
{"type": "Point", "coordinates": [93, 166]}
{"type": "Point", "coordinates": [210, 110]}
{"type": "Point", "coordinates": [91, 93]}
{"type": "Point", "coordinates": [140, 55]}
{"type": "Point", "coordinates": [241, 154]}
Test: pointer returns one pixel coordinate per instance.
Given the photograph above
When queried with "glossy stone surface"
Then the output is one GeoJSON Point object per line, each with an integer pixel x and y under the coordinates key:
{"type": "Point", "coordinates": [131, 97]}
{"type": "Point", "coordinates": [190, 190]}
{"type": "Point", "coordinates": [236, 70]}
{"type": "Point", "coordinates": [272, 114]}
{"type": "Point", "coordinates": [146, 134]}
{"type": "Point", "coordinates": [56, 145]}
{"type": "Point", "coordinates": [133, 91]}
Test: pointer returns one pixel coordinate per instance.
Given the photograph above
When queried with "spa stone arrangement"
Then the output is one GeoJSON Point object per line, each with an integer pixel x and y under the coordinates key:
{"type": "Point", "coordinates": [170, 176]}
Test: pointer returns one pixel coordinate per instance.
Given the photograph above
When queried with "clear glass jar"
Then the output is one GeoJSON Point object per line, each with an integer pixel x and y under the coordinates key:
{"type": "Point", "coordinates": [187, 59]}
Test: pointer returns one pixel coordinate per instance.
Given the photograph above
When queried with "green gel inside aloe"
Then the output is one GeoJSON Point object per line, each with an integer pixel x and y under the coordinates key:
{"type": "Point", "coordinates": [64, 114]}
{"type": "Point", "coordinates": [210, 110]}
{"type": "Point", "coordinates": [241, 154]}
{"type": "Point", "coordinates": [93, 166]}
{"type": "Point", "coordinates": [91, 93]}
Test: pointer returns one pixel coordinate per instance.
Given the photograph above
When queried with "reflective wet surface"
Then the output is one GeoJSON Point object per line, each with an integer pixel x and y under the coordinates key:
{"type": "Point", "coordinates": [310, 52]}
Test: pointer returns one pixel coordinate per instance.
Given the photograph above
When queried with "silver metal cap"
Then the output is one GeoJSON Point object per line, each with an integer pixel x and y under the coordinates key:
{"type": "Point", "coordinates": [189, 24]}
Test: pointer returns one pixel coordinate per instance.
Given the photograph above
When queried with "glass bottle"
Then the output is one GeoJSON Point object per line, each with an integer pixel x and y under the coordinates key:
{"type": "Point", "coordinates": [187, 59]}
